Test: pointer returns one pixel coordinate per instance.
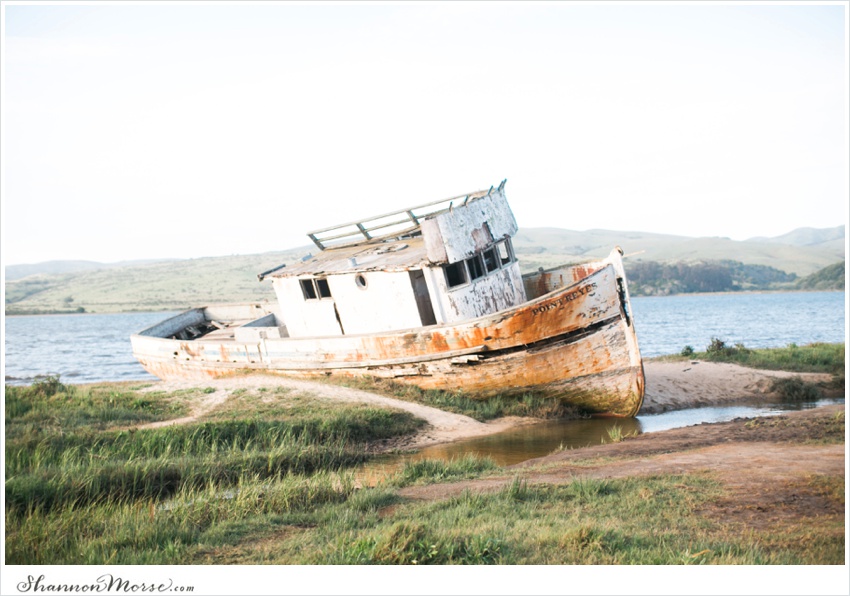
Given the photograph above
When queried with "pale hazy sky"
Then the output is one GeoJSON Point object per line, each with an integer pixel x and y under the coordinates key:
{"type": "Point", "coordinates": [157, 130]}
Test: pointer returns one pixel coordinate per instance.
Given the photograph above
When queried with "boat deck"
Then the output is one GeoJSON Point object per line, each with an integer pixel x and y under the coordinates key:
{"type": "Point", "coordinates": [220, 334]}
{"type": "Point", "coordinates": [223, 333]}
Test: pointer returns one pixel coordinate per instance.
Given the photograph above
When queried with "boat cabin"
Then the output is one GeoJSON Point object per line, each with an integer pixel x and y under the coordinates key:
{"type": "Point", "coordinates": [443, 262]}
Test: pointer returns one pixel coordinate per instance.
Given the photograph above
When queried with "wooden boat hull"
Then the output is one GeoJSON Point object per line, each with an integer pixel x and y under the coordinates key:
{"type": "Point", "coordinates": [576, 343]}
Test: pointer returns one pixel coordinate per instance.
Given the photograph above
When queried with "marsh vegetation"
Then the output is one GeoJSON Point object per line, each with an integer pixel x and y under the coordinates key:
{"type": "Point", "coordinates": [268, 476]}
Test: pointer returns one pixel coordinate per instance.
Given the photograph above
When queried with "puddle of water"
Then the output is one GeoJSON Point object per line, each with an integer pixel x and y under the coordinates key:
{"type": "Point", "coordinates": [528, 442]}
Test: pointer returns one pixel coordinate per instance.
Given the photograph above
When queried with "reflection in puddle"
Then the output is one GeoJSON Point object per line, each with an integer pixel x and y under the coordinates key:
{"type": "Point", "coordinates": [536, 440]}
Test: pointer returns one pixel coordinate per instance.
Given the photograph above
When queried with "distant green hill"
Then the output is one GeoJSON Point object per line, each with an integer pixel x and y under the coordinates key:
{"type": "Point", "coordinates": [649, 278]}
{"type": "Point", "coordinates": [807, 237]}
{"type": "Point", "coordinates": [172, 285]}
{"type": "Point", "coordinates": [828, 278]}
{"type": "Point", "coordinates": [14, 272]}
{"type": "Point", "coordinates": [548, 247]}
{"type": "Point", "coordinates": [179, 284]}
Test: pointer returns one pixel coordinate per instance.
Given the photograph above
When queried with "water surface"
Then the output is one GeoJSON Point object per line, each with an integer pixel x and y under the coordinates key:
{"type": "Point", "coordinates": [523, 443]}
{"type": "Point", "coordinates": [96, 347]}
{"type": "Point", "coordinates": [84, 348]}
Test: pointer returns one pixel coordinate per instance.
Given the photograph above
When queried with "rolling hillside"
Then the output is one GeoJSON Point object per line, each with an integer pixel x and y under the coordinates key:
{"type": "Point", "coordinates": [170, 285]}
{"type": "Point", "coordinates": [808, 237]}
{"type": "Point", "coordinates": [547, 247]}
{"type": "Point", "coordinates": [179, 284]}
{"type": "Point", "coordinates": [15, 272]}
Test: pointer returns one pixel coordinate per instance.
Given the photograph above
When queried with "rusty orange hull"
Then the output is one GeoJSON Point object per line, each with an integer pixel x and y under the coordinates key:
{"type": "Point", "coordinates": [576, 343]}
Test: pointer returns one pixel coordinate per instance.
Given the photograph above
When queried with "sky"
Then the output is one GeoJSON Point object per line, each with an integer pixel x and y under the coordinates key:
{"type": "Point", "coordinates": [137, 131]}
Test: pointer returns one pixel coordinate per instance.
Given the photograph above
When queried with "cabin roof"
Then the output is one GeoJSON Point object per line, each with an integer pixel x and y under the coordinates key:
{"type": "Point", "coordinates": [397, 255]}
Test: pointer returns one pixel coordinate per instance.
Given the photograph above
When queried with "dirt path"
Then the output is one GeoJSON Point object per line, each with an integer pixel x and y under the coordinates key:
{"type": "Point", "coordinates": [442, 426]}
{"type": "Point", "coordinates": [209, 402]}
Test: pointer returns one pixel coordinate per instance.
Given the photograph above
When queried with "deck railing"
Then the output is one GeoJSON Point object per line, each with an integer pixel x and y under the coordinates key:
{"type": "Point", "coordinates": [389, 225]}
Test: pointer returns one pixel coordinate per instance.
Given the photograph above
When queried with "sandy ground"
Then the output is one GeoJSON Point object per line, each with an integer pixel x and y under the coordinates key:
{"type": "Point", "coordinates": [669, 386]}
{"type": "Point", "coordinates": [680, 385]}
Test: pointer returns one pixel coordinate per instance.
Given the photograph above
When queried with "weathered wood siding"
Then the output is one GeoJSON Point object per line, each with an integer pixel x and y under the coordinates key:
{"type": "Point", "coordinates": [546, 280]}
{"type": "Point", "coordinates": [454, 235]}
{"type": "Point", "coordinates": [495, 292]}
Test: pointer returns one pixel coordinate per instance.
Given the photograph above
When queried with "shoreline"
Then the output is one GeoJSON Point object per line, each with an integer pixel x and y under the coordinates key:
{"type": "Point", "coordinates": [681, 385]}
{"type": "Point", "coordinates": [142, 310]}
{"type": "Point", "coordinates": [670, 386]}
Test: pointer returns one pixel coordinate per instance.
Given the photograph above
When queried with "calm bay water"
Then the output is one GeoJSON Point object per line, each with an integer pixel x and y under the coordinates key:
{"type": "Point", "coordinates": [667, 324]}
{"type": "Point", "coordinates": [91, 348]}
{"type": "Point", "coordinates": [79, 348]}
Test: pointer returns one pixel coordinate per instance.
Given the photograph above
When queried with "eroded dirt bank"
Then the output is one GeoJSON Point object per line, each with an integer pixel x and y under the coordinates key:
{"type": "Point", "coordinates": [764, 464]}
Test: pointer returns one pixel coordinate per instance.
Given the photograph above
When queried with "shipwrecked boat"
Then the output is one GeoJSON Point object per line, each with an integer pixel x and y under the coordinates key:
{"type": "Point", "coordinates": [429, 295]}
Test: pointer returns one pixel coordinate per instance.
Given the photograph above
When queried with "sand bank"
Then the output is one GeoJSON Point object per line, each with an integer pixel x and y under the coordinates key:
{"type": "Point", "coordinates": [695, 383]}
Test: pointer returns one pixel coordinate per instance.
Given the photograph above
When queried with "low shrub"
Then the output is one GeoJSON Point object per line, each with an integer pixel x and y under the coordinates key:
{"type": "Point", "coordinates": [795, 388]}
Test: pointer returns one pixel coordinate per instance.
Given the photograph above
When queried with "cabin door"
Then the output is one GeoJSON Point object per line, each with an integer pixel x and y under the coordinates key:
{"type": "Point", "coordinates": [423, 298]}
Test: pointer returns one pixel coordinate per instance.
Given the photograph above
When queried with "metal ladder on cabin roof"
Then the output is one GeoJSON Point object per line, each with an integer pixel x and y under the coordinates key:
{"type": "Point", "coordinates": [396, 224]}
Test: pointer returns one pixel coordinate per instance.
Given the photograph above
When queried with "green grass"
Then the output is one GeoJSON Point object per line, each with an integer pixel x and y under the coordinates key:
{"type": "Point", "coordinates": [814, 358]}
{"type": "Point", "coordinates": [323, 519]}
{"type": "Point", "coordinates": [75, 457]}
{"type": "Point", "coordinates": [428, 471]}
{"type": "Point", "coordinates": [616, 435]}
{"type": "Point", "coordinates": [796, 389]}
{"type": "Point", "coordinates": [155, 532]}
{"type": "Point", "coordinates": [267, 478]}
{"type": "Point", "coordinates": [653, 520]}
{"type": "Point", "coordinates": [48, 406]}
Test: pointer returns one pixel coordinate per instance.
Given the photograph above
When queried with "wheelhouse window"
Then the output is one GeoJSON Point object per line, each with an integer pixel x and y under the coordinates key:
{"type": "Point", "coordinates": [490, 260]}
{"type": "Point", "coordinates": [455, 274]}
{"type": "Point", "coordinates": [505, 251]}
{"type": "Point", "coordinates": [484, 263]}
{"type": "Point", "coordinates": [315, 288]}
{"type": "Point", "coordinates": [476, 267]}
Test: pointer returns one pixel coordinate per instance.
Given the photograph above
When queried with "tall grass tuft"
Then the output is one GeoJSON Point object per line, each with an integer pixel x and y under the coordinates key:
{"type": "Point", "coordinates": [434, 470]}
{"type": "Point", "coordinates": [616, 435]}
{"type": "Point", "coordinates": [587, 489]}
{"type": "Point", "coordinates": [413, 543]}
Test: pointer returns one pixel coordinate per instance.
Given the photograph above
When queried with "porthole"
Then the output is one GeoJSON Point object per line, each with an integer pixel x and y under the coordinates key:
{"type": "Point", "coordinates": [360, 280]}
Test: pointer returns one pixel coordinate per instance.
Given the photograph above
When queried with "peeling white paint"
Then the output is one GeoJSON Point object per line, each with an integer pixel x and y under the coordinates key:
{"type": "Point", "coordinates": [457, 234]}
